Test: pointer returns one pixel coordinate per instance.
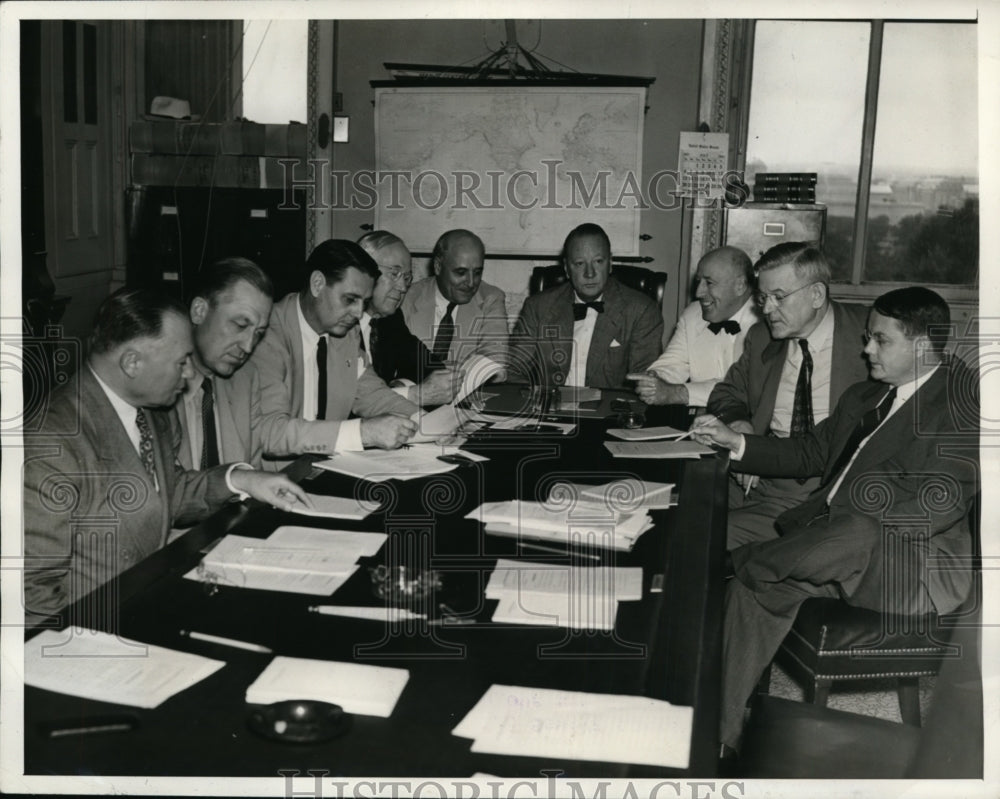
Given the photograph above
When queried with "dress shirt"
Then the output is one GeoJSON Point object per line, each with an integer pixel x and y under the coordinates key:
{"type": "Point", "coordinates": [903, 393]}
{"type": "Point", "coordinates": [191, 397]}
{"type": "Point", "coordinates": [821, 349]}
{"type": "Point", "coordinates": [349, 432]}
{"type": "Point", "coordinates": [699, 358]}
{"type": "Point", "coordinates": [583, 332]}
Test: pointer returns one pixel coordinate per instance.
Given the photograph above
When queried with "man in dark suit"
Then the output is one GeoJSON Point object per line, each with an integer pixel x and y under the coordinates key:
{"type": "Point", "coordinates": [318, 392]}
{"type": "Point", "coordinates": [794, 367]}
{"type": "Point", "coordinates": [590, 331]}
{"type": "Point", "coordinates": [219, 409]}
{"type": "Point", "coordinates": [887, 527]}
{"type": "Point", "coordinates": [400, 358]}
{"type": "Point", "coordinates": [102, 485]}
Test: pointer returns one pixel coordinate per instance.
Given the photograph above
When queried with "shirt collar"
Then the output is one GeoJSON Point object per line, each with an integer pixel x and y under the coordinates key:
{"type": "Point", "coordinates": [821, 337]}
{"type": "Point", "coordinates": [126, 411]}
{"type": "Point", "coordinates": [310, 338]}
{"type": "Point", "coordinates": [747, 313]}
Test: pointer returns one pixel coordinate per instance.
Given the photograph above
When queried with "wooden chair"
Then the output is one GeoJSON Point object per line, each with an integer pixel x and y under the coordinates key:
{"type": "Point", "coordinates": [652, 284]}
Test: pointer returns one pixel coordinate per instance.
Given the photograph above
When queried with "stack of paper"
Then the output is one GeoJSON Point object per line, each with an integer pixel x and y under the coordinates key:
{"type": "Point", "coordinates": [333, 507]}
{"type": "Point", "coordinates": [539, 722]}
{"type": "Point", "coordinates": [647, 433]}
{"type": "Point", "coordinates": [97, 665]}
{"type": "Point", "coordinates": [302, 560]}
{"type": "Point", "coordinates": [576, 597]}
{"type": "Point", "coordinates": [625, 493]}
{"type": "Point", "coordinates": [590, 523]}
{"type": "Point", "coordinates": [657, 449]}
{"type": "Point", "coordinates": [365, 690]}
{"type": "Point", "coordinates": [377, 465]}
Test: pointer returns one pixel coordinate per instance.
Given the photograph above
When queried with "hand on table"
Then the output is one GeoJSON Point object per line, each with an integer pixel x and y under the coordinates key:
{"type": "Point", "coordinates": [653, 390]}
{"type": "Point", "coordinates": [387, 432]}
{"type": "Point", "coordinates": [273, 489]}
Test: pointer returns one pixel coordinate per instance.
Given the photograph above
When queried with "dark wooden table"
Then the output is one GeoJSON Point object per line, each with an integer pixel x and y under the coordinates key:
{"type": "Point", "coordinates": [667, 645]}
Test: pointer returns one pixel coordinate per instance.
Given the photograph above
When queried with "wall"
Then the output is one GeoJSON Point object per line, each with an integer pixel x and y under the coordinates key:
{"type": "Point", "coordinates": [667, 50]}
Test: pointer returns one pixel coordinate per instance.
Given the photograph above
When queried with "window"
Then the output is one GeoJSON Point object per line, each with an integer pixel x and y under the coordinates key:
{"type": "Point", "coordinates": [274, 70]}
{"type": "Point", "coordinates": [886, 114]}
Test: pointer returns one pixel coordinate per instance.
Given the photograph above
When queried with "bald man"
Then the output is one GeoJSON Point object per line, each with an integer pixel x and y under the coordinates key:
{"type": "Point", "coordinates": [709, 335]}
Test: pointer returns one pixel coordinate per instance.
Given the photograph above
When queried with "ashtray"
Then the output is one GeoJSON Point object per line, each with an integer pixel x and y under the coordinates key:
{"type": "Point", "coordinates": [402, 586]}
{"type": "Point", "coordinates": [299, 721]}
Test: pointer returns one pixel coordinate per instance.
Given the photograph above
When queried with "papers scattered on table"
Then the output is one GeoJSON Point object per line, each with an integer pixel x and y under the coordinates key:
{"type": "Point", "coordinates": [539, 722]}
{"type": "Point", "coordinates": [647, 433]}
{"type": "Point", "coordinates": [528, 425]}
{"type": "Point", "coordinates": [478, 369]}
{"type": "Point", "coordinates": [589, 523]}
{"type": "Point", "coordinates": [97, 665]}
{"type": "Point", "coordinates": [576, 597]}
{"type": "Point", "coordinates": [378, 465]}
{"type": "Point", "coordinates": [332, 508]}
{"type": "Point", "coordinates": [365, 690]}
{"type": "Point", "coordinates": [301, 560]}
{"type": "Point", "coordinates": [626, 493]}
{"type": "Point", "coordinates": [439, 423]}
{"type": "Point", "coordinates": [657, 449]}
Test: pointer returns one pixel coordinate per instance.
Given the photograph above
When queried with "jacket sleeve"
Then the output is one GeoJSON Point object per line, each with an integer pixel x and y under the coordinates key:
{"type": "Point", "coordinates": [194, 494]}
{"type": "Point", "coordinates": [374, 398]}
{"type": "Point", "coordinates": [523, 358]}
{"type": "Point", "coordinates": [647, 337]}
{"type": "Point", "coordinates": [493, 332]}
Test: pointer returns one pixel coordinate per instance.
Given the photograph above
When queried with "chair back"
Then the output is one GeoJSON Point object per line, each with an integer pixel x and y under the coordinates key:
{"type": "Point", "coordinates": [652, 284]}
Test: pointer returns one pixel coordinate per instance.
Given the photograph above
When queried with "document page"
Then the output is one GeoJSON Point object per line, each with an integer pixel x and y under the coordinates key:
{"type": "Point", "coordinates": [333, 507]}
{"type": "Point", "coordinates": [657, 449]}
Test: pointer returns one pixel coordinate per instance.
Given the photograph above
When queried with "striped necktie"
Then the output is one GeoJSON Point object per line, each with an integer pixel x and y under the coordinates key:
{"type": "Point", "coordinates": [146, 446]}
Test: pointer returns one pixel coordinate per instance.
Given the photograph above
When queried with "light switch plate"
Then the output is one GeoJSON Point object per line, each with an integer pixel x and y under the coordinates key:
{"type": "Point", "coordinates": [340, 128]}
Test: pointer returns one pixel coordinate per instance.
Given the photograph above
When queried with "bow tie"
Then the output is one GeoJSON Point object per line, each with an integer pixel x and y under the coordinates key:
{"type": "Point", "coordinates": [731, 326]}
{"type": "Point", "coordinates": [580, 308]}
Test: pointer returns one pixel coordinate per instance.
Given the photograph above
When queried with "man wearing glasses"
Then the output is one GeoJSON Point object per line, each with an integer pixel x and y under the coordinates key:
{"type": "Point", "coordinates": [400, 358]}
{"type": "Point", "coordinates": [794, 367]}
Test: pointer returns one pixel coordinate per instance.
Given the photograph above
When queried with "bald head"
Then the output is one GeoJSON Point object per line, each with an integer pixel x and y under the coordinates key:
{"type": "Point", "coordinates": [458, 265]}
{"type": "Point", "coordinates": [723, 283]}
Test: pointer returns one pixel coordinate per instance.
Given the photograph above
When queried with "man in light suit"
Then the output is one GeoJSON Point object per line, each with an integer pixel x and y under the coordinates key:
{"type": "Point", "coordinates": [887, 529]}
{"type": "Point", "coordinates": [794, 367]}
{"type": "Point", "coordinates": [313, 375]}
{"type": "Point", "coordinates": [102, 485]}
{"type": "Point", "coordinates": [453, 312]}
{"type": "Point", "coordinates": [590, 331]}
{"type": "Point", "coordinates": [709, 336]}
{"type": "Point", "coordinates": [219, 409]}
{"type": "Point", "coordinates": [399, 357]}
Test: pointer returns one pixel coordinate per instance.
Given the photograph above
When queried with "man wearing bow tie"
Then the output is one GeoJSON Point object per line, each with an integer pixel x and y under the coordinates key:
{"type": "Point", "coordinates": [709, 335]}
{"type": "Point", "coordinates": [591, 331]}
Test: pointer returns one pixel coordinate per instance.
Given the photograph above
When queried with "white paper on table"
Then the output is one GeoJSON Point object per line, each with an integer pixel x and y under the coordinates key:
{"type": "Point", "coordinates": [440, 422]}
{"type": "Point", "coordinates": [527, 577]}
{"type": "Point", "coordinates": [332, 507]}
{"type": "Point", "coordinates": [539, 722]}
{"type": "Point", "coordinates": [575, 611]}
{"type": "Point", "coordinates": [657, 449]}
{"type": "Point", "coordinates": [357, 688]}
{"type": "Point", "coordinates": [588, 540]}
{"type": "Point", "coordinates": [529, 425]}
{"type": "Point", "coordinates": [646, 433]}
{"type": "Point", "coordinates": [349, 544]}
{"type": "Point", "coordinates": [628, 494]}
{"type": "Point", "coordinates": [394, 464]}
{"type": "Point", "coordinates": [285, 555]}
{"type": "Point", "coordinates": [478, 369]}
{"type": "Point", "coordinates": [105, 667]}
{"type": "Point", "coordinates": [579, 516]}
{"type": "Point", "coordinates": [312, 583]}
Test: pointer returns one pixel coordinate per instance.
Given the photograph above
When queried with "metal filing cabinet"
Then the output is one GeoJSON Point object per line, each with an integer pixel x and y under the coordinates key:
{"type": "Point", "coordinates": [756, 227]}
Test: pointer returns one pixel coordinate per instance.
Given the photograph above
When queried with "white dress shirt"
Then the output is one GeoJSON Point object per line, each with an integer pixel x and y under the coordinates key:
{"type": "Point", "coordinates": [583, 332]}
{"type": "Point", "coordinates": [821, 349]}
{"type": "Point", "coordinates": [700, 358]}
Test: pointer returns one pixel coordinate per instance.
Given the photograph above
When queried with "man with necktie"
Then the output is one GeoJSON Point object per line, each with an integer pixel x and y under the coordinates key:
{"type": "Point", "coordinates": [219, 409]}
{"type": "Point", "coordinates": [887, 526]}
{"type": "Point", "coordinates": [399, 357]}
{"type": "Point", "coordinates": [591, 330]}
{"type": "Point", "coordinates": [793, 369]}
{"type": "Point", "coordinates": [454, 312]}
{"type": "Point", "coordinates": [102, 485]}
{"type": "Point", "coordinates": [318, 391]}
{"type": "Point", "coordinates": [709, 335]}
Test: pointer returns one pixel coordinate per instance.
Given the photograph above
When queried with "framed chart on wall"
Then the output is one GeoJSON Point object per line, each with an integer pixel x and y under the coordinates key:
{"type": "Point", "coordinates": [519, 165]}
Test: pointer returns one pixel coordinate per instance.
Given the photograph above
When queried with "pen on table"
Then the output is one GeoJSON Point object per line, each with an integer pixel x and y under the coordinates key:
{"type": "Point", "coordinates": [218, 639]}
{"type": "Point", "coordinates": [558, 551]}
{"type": "Point", "coordinates": [90, 726]}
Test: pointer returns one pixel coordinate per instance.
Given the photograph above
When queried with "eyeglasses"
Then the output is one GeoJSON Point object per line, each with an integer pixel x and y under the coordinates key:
{"type": "Point", "coordinates": [399, 276]}
{"type": "Point", "coordinates": [761, 297]}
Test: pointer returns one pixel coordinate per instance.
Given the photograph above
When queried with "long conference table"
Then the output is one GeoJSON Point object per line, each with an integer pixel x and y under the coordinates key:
{"type": "Point", "coordinates": [666, 645]}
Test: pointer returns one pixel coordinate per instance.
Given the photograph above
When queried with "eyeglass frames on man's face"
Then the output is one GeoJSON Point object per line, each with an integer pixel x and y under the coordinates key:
{"type": "Point", "coordinates": [761, 297]}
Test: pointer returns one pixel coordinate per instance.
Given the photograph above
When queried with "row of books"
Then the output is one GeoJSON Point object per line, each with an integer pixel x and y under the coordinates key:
{"type": "Point", "coordinates": [785, 187]}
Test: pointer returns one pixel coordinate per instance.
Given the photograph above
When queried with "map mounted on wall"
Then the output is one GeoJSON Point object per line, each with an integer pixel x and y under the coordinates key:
{"type": "Point", "coordinates": [518, 165]}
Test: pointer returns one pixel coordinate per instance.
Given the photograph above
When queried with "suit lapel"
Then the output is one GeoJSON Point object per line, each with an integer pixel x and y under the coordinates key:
{"type": "Point", "coordinates": [606, 329]}
{"type": "Point", "coordinates": [772, 359]}
{"type": "Point", "coordinates": [230, 412]}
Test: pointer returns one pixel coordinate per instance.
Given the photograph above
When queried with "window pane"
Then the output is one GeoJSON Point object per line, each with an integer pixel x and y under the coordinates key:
{"type": "Point", "coordinates": [274, 70]}
{"type": "Point", "coordinates": [923, 220]}
{"type": "Point", "coordinates": [69, 72]}
{"type": "Point", "coordinates": [806, 109]}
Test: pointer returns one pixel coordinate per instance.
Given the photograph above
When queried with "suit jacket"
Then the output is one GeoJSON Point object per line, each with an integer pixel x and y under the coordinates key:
{"type": "Point", "coordinates": [90, 509]}
{"type": "Point", "coordinates": [480, 324]}
{"type": "Point", "coordinates": [918, 471]}
{"type": "Point", "coordinates": [542, 341]}
{"type": "Point", "coordinates": [278, 359]}
{"type": "Point", "coordinates": [749, 389]}
{"type": "Point", "coordinates": [398, 354]}
{"type": "Point", "coordinates": [237, 405]}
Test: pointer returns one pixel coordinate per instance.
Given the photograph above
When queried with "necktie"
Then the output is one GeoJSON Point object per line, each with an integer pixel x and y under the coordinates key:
{"type": "Point", "coordinates": [731, 326]}
{"type": "Point", "coordinates": [209, 441]}
{"type": "Point", "coordinates": [868, 424]}
{"type": "Point", "coordinates": [802, 406]}
{"type": "Point", "coordinates": [445, 333]}
{"type": "Point", "coordinates": [321, 378]}
{"type": "Point", "coordinates": [372, 341]}
{"type": "Point", "coordinates": [580, 309]}
{"type": "Point", "coordinates": [146, 446]}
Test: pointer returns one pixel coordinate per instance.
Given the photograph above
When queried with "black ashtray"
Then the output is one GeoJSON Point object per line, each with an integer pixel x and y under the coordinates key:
{"type": "Point", "coordinates": [299, 721]}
